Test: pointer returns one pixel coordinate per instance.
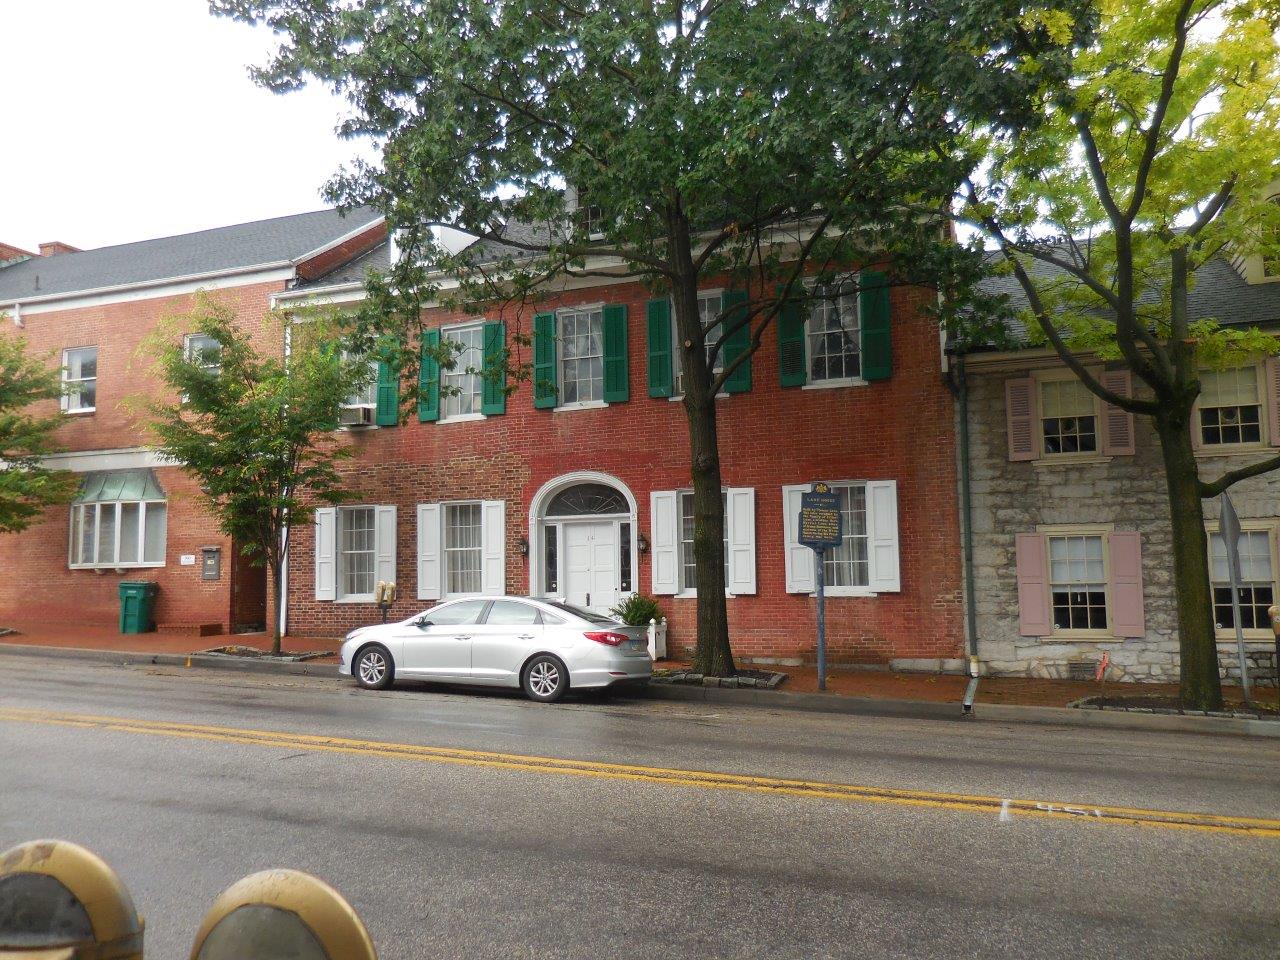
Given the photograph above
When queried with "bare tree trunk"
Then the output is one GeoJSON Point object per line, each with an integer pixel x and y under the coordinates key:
{"type": "Point", "coordinates": [1198, 649]}
{"type": "Point", "coordinates": [712, 655]}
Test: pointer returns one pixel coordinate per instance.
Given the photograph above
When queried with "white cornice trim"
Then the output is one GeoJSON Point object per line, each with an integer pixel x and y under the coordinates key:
{"type": "Point", "coordinates": [153, 289]}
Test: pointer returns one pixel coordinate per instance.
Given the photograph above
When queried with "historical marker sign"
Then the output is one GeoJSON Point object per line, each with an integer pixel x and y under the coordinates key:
{"type": "Point", "coordinates": [820, 518]}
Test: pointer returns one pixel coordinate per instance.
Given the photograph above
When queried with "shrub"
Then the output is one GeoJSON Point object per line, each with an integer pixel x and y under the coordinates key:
{"type": "Point", "coordinates": [637, 610]}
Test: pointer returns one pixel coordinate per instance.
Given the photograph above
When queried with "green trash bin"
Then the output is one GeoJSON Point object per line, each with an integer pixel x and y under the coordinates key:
{"type": "Point", "coordinates": [137, 606]}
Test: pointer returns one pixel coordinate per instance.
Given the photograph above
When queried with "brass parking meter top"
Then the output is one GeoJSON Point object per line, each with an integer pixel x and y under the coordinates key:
{"type": "Point", "coordinates": [58, 901]}
{"type": "Point", "coordinates": [282, 915]}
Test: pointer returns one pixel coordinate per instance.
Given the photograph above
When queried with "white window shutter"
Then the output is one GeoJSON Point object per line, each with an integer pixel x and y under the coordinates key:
{"type": "Point", "coordinates": [384, 544]}
{"type": "Point", "coordinates": [493, 537]}
{"type": "Point", "coordinates": [429, 559]}
{"type": "Point", "coordinates": [882, 512]}
{"type": "Point", "coordinates": [326, 553]}
{"type": "Point", "coordinates": [798, 559]}
{"type": "Point", "coordinates": [664, 535]}
{"type": "Point", "coordinates": [740, 519]}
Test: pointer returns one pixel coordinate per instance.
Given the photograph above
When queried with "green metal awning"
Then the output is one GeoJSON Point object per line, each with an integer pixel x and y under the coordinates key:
{"type": "Point", "coordinates": [110, 486]}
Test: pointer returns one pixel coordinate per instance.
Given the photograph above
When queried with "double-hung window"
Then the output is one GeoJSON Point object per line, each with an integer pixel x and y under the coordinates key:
{"type": "Point", "coordinates": [1068, 418]}
{"type": "Point", "coordinates": [1078, 582]}
{"type": "Point", "coordinates": [581, 356]}
{"type": "Point", "coordinates": [463, 554]}
{"type": "Point", "coordinates": [80, 379]}
{"type": "Point", "coordinates": [461, 549]}
{"type": "Point", "coordinates": [360, 409]}
{"type": "Point", "coordinates": [849, 565]}
{"type": "Point", "coordinates": [461, 384]}
{"type": "Point", "coordinates": [832, 335]}
{"type": "Point", "coordinates": [867, 559]}
{"type": "Point", "coordinates": [1230, 407]}
{"type": "Point", "coordinates": [118, 519]}
{"type": "Point", "coordinates": [204, 351]}
{"type": "Point", "coordinates": [355, 548]}
{"type": "Point", "coordinates": [710, 306]}
{"type": "Point", "coordinates": [1257, 581]}
{"type": "Point", "coordinates": [356, 557]}
{"type": "Point", "coordinates": [688, 565]}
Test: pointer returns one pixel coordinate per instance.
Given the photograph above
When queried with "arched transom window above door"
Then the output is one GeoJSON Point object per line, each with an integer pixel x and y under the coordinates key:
{"type": "Point", "coordinates": [587, 499]}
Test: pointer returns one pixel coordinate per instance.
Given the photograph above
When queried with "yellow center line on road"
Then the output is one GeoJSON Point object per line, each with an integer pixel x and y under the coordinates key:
{"type": "Point", "coordinates": [698, 779]}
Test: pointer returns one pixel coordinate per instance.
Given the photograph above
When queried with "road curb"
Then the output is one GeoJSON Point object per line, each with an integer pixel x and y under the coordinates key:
{"type": "Point", "coordinates": [767, 699]}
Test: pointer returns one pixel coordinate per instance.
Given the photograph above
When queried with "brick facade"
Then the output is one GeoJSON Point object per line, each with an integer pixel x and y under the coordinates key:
{"type": "Point", "coordinates": [901, 429]}
{"type": "Point", "coordinates": [38, 581]}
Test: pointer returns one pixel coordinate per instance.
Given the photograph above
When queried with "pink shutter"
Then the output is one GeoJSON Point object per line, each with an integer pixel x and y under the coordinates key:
{"type": "Point", "coordinates": [1272, 373]}
{"type": "Point", "coordinates": [1033, 585]}
{"type": "Point", "coordinates": [1127, 616]}
{"type": "Point", "coordinates": [1117, 424]}
{"type": "Point", "coordinates": [1020, 412]}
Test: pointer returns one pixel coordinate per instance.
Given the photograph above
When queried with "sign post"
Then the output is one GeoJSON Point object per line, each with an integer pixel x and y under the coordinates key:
{"type": "Point", "coordinates": [1229, 527]}
{"type": "Point", "coordinates": [819, 528]}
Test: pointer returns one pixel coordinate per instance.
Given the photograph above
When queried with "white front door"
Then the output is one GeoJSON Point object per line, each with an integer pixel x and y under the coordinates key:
{"type": "Point", "coordinates": [591, 565]}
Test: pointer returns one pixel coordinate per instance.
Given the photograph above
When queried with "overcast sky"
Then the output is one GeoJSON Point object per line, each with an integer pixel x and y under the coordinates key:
{"type": "Point", "coordinates": [131, 119]}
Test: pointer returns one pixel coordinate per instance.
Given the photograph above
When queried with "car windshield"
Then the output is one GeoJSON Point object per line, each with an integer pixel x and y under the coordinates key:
{"type": "Point", "coordinates": [589, 615]}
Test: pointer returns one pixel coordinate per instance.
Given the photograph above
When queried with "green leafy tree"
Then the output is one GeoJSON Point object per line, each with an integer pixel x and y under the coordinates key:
{"type": "Point", "coordinates": [745, 143]}
{"type": "Point", "coordinates": [27, 487]}
{"type": "Point", "coordinates": [255, 429]}
{"type": "Point", "coordinates": [1162, 153]}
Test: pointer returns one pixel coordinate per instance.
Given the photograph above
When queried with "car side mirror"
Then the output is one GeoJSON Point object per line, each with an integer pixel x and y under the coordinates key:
{"type": "Point", "coordinates": [422, 623]}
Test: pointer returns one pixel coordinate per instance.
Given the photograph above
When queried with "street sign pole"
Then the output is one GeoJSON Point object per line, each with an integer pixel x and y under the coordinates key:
{"type": "Point", "coordinates": [1229, 527]}
{"type": "Point", "coordinates": [819, 574]}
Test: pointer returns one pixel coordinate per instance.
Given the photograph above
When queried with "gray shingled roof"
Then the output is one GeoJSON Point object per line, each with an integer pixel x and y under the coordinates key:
{"type": "Point", "coordinates": [1220, 293]}
{"type": "Point", "coordinates": [278, 240]}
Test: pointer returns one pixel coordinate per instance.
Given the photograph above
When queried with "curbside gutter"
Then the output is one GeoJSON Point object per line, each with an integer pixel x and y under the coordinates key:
{"type": "Point", "coordinates": [748, 697]}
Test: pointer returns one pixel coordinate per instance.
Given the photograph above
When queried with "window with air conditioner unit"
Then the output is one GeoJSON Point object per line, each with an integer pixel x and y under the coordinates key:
{"type": "Point", "coordinates": [360, 409]}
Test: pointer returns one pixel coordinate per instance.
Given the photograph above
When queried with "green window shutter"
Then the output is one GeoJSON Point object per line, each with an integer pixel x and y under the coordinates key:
{"type": "Point", "coordinates": [332, 354]}
{"type": "Point", "coordinates": [388, 412]}
{"type": "Point", "coordinates": [735, 344]}
{"type": "Point", "coordinates": [545, 385]}
{"type": "Point", "coordinates": [792, 368]}
{"type": "Point", "coordinates": [429, 377]}
{"type": "Point", "coordinates": [659, 322]}
{"type": "Point", "coordinates": [873, 310]}
{"type": "Point", "coordinates": [617, 369]}
{"type": "Point", "coordinates": [493, 389]}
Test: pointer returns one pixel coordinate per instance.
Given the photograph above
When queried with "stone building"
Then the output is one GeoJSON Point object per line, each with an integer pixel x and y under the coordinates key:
{"type": "Point", "coordinates": [1071, 540]}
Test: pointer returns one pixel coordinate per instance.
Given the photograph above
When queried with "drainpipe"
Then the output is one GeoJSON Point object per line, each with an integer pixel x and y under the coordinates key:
{"type": "Point", "coordinates": [958, 383]}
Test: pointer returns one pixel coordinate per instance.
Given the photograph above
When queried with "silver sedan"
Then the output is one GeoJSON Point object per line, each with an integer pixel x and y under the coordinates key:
{"type": "Point", "coordinates": [542, 646]}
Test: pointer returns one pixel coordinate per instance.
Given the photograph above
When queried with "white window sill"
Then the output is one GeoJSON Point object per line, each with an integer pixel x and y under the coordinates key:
{"type": "Point", "coordinates": [833, 384]}
{"type": "Point", "coordinates": [1084, 636]}
{"type": "Point", "coordinates": [462, 418]}
{"type": "Point", "coordinates": [846, 592]}
{"type": "Point", "coordinates": [359, 598]}
{"type": "Point", "coordinates": [80, 411]}
{"type": "Point", "coordinates": [680, 396]}
{"type": "Point", "coordinates": [115, 566]}
{"type": "Point", "coordinates": [1071, 460]}
{"type": "Point", "coordinates": [1234, 450]}
{"type": "Point", "coordinates": [1250, 636]}
{"type": "Point", "coordinates": [585, 405]}
{"type": "Point", "coordinates": [693, 595]}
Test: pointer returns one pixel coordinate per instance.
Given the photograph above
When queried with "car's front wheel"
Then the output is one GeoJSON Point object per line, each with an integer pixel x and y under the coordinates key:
{"type": "Point", "coordinates": [373, 668]}
{"type": "Point", "coordinates": [545, 679]}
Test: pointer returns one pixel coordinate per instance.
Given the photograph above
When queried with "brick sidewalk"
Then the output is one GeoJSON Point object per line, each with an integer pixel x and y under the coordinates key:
{"type": "Point", "coordinates": [97, 637]}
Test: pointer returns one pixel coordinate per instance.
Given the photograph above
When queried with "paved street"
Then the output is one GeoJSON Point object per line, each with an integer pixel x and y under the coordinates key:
{"type": "Point", "coordinates": [449, 853]}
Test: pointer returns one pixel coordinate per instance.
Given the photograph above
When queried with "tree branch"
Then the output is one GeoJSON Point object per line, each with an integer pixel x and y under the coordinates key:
{"type": "Point", "coordinates": [1235, 476]}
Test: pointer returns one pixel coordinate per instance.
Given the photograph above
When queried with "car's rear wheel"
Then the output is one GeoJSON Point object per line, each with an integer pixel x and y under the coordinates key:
{"type": "Point", "coordinates": [373, 668]}
{"type": "Point", "coordinates": [545, 679]}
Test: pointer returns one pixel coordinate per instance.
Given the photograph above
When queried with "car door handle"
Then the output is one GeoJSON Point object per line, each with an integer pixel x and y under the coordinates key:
{"type": "Point", "coordinates": [462, 638]}
{"type": "Point", "coordinates": [525, 636]}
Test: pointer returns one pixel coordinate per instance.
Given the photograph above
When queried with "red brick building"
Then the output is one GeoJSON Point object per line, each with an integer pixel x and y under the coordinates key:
{"type": "Point", "coordinates": [136, 517]}
{"type": "Point", "coordinates": [580, 493]}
